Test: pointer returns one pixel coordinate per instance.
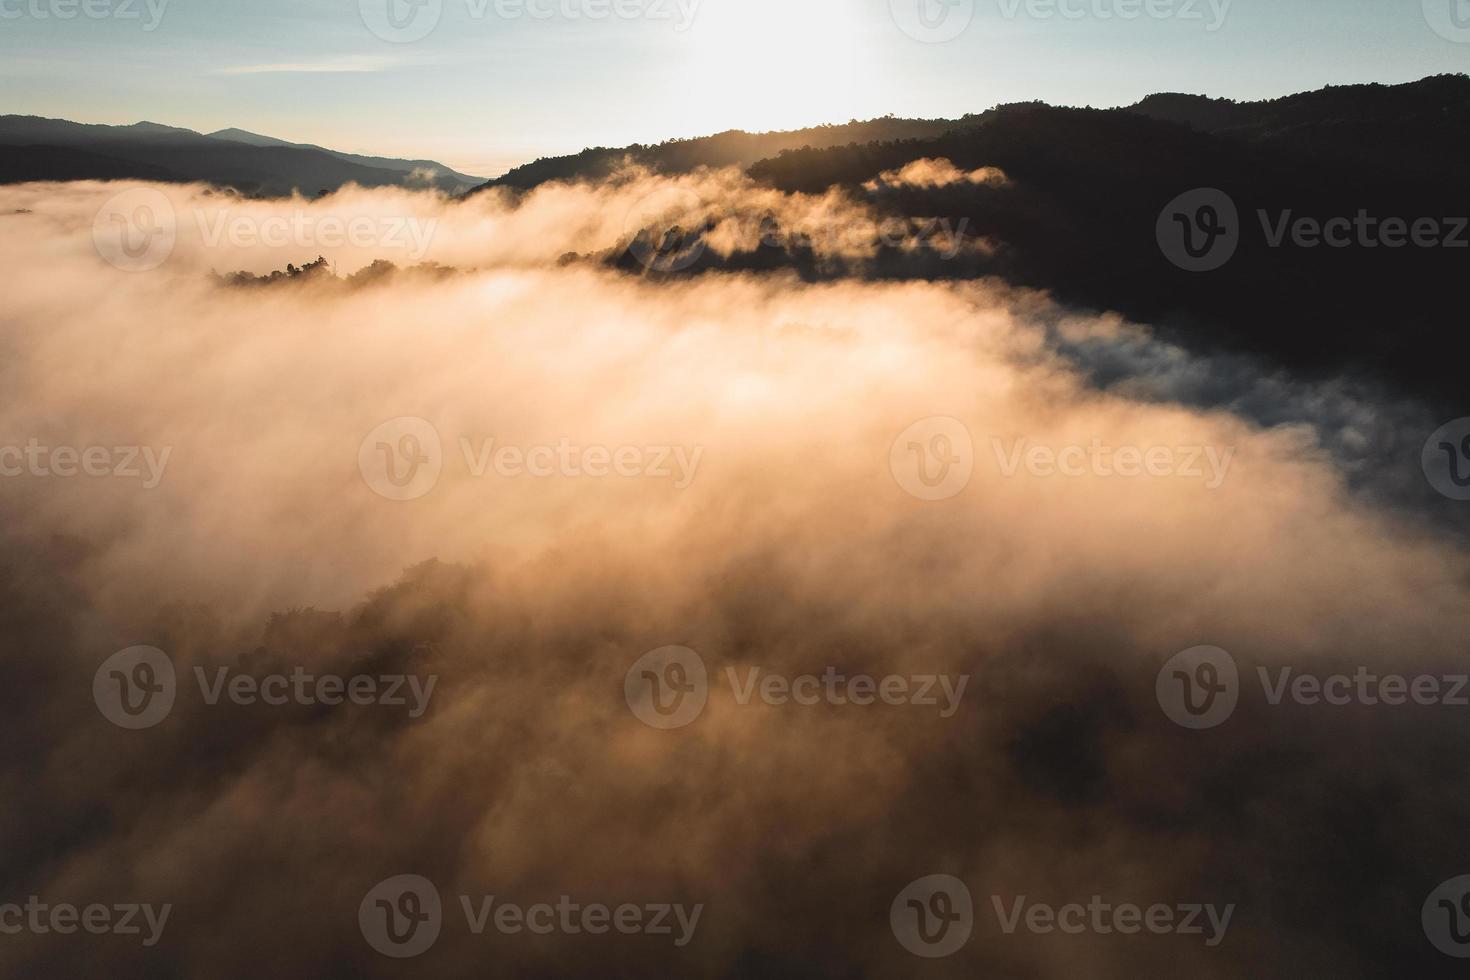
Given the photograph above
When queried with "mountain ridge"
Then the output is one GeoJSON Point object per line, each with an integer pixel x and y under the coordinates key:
{"type": "Point", "coordinates": [1344, 105]}
{"type": "Point", "coordinates": [154, 151]}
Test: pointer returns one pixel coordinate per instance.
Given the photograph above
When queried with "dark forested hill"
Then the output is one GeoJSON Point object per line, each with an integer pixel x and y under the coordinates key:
{"type": "Point", "coordinates": [1346, 213]}
{"type": "Point", "coordinates": [1352, 120]}
{"type": "Point", "coordinates": [729, 149]}
{"type": "Point", "coordinates": [1089, 188]}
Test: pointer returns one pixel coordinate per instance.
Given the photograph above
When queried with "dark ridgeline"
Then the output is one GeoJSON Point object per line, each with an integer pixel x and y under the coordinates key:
{"type": "Point", "coordinates": [1088, 186]}
{"type": "Point", "coordinates": [33, 148]}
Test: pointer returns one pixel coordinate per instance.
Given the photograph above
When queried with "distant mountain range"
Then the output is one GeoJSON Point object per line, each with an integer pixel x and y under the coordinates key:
{"type": "Point", "coordinates": [34, 148]}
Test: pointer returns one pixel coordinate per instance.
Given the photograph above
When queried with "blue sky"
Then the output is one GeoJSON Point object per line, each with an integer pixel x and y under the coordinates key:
{"type": "Point", "coordinates": [489, 85]}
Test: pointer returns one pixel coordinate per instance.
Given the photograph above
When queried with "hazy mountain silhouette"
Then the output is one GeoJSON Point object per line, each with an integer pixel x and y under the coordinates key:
{"type": "Point", "coordinates": [34, 148]}
{"type": "Point", "coordinates": [386, 163]}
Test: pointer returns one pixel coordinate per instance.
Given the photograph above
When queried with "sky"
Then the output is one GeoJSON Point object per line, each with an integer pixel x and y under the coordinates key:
{"type": "Point", "coordinates": [484, 85]}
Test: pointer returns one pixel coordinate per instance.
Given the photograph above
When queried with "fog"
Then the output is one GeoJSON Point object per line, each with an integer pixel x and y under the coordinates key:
{"type": "Point", "coordinates": [765, 500]}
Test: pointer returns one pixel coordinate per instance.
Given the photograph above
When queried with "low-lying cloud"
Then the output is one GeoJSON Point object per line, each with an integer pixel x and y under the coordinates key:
{"type": "Point", "coordinates": [845, 514]}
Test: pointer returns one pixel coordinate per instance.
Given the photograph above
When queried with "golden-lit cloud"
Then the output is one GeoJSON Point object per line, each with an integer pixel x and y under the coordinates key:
{"type": "Point", "coordinates": [766, 518]}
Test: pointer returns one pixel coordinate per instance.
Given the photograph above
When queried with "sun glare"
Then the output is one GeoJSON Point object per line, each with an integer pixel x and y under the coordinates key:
{"type": "Point", "coordinates": [773, 64]}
